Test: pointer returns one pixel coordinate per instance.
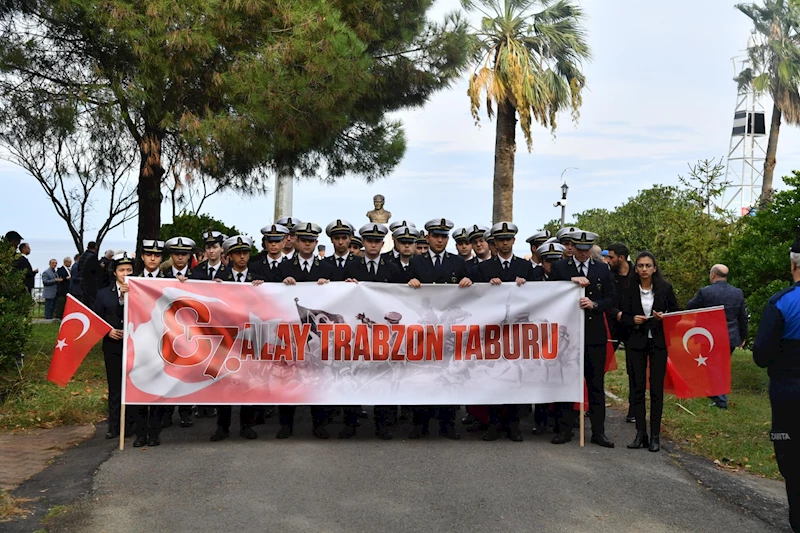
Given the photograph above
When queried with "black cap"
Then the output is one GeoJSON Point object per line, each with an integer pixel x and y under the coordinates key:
{"type": "Point", "coordinates": [796, 246]}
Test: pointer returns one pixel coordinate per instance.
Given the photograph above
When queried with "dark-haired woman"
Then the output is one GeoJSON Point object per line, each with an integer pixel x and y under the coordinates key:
{"type": "Point", "coordinates": [643, 305]}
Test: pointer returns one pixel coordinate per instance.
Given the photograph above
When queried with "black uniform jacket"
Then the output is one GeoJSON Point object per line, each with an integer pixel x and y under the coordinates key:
{"type": "Point", "coordinates": [339, 272]}
{"type": "Point", "coordinates": [107, 307]}
{"type": "Point", "coordinates": [389, 256]}
{"type": "Point", "coordinates": [452, 270]}
{"type": "Point", "coordinates": [539, 274]}
{"type": "Point", "coordinates": [230, 275]}
{"type": "Point", "coordinates": [263, 268]}
{"type": "Point", "coordinates": [493, 268]}
{"type": "Point", "coordinates": [201, 271]}
{"type": "Point", "coordinates": [630, 302]}
{"type": "Point", "coordinates": [168, 273]}
{"type": "Point", "coordinates": [292, 268]}
{"type": "Point", "coordinates": [600, 290]}
{"type": "Point", "coordinates": [388, 271]}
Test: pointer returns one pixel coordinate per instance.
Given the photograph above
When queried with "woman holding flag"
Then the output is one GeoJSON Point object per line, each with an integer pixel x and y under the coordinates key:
{"type": "Point", "coordinates": [643, 305]}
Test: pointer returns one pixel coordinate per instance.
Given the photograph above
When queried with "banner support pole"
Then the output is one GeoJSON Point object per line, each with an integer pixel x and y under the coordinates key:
{"type": "Point", "coordinates": [122, 427]}
{"type": "Point", "coordinates": [582, 426]}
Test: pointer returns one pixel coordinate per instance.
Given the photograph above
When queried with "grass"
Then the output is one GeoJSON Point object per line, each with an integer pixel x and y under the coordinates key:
{"type": "Point", "coordinates": [737, 438]}
{"type": "Point", "coordinates": [10, 506]}
{"type": "Point", "coordinates": [32, 401]}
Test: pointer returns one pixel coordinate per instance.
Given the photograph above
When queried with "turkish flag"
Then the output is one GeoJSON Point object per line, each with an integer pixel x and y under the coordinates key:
{"type": "Point", "coordinates": [80, 330]}
{"type": "Point", "coordinates": [698, 353]}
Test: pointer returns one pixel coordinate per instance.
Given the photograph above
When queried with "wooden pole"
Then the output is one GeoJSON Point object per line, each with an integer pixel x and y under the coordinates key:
{"type": "Point", "coordinates": [582, 423]}
{"type": "Point", "coordinates": [122, 427]}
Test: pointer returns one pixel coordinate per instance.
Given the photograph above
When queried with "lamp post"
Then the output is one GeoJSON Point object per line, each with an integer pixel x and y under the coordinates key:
{"type": "Point", "coordinates": [563, 202]}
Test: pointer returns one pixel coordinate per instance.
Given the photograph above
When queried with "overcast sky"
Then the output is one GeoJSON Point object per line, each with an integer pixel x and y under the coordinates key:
{"type": "Point", "coordinates": [660, 95]}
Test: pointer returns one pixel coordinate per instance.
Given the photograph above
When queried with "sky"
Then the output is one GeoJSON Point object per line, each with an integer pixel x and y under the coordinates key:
{"type": "Point", "coordinates": [659, 95]}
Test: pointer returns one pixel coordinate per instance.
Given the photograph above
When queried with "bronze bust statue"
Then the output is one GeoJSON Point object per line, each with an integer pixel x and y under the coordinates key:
{"type": "Point", "coordinates": [379, 215]}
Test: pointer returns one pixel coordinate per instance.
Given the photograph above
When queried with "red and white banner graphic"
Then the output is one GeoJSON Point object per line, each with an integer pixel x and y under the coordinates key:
{"type": "Point", "coordinates": [351, 344]}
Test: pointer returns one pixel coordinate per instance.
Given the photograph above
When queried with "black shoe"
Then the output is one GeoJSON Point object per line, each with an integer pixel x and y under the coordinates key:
{"type": "Point", "coordinates": [562, 437]}
{"type": "Point", "coordinates": [491, 433]}
{"type": "Point", "coordinates": [166, 422]}
{"type": "Point", "coordinates": [601, 440]}
{"type": "Point", "coordinates": [468, 420]}
{"type": "Point", "coordinates": [211, 412]}
{"type": "Point", "coordinates": [248, 433]}
{"type": "Point", "coordinates": [198, 411]}
{"type": "Point", "coordinates": [449, 432]}
{"type": "Point", "coordinates": [139, 442]}
{"type": "Point", "coordinates": [655, 443]}
{"type": "Point", "coordinates": [477, 427]}
{"type": "Point", "coordinates": [363, 414]}
{"type": "Point", "coordinates": [514, 434]}
{"type": "Point", "coordinates": [112, 434]}
{"type": "Point", "coordinates": [539, 430]}
{"type": "Point", "coordinates": [640, 441]}
{"type": "Point", "coordinates": [347, 432]}
{"type": "Point", "coordinates": [630, 419]}
{"type": "Point", "coordinates": [284, 433]}
{"type": "Point", "coordinates": [321, 433]}
{"type": "Point", "coordinates": [186, 422]}
{"type": "Point", "coordinates": [219, 434]}
{"type": "Point", "coordinates": [417, 432]}
{"type": "Point", "coordinates": [153, 441]}
{"type": "Point", "coordinates": [383, 433]}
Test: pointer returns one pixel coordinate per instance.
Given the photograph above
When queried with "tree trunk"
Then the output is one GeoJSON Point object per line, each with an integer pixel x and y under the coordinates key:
{"type": "Point", "coordinates": [149, 190]}
{"type": "Point", "coordinates": [505, 148]}
{"type": "Point", "coordinates": [772, 150]}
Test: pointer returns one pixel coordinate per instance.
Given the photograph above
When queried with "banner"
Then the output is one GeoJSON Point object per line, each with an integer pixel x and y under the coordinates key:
{"type": "Point", "coordinates": [342, 343]}
{"type": "Point", "coordinates": [698, 353]}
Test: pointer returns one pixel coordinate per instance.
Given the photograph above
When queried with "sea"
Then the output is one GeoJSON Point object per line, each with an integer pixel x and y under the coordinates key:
{"type": "Point", "coordinates": [44, 249]}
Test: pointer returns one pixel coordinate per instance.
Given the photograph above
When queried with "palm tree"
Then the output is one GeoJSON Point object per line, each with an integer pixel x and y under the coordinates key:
{"type": "Point", "coordinates": [528, 55]}
{"type": "Point", "coordinates": [774, 53]}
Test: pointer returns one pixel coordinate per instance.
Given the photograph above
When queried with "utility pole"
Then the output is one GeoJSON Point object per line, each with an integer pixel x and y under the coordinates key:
{"type": "Point", "coordinates": [284, 183]}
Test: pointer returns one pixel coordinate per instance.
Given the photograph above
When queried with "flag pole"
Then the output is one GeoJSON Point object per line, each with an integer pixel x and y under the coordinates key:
{"type": "Point", "coordinates": [582, 426]}
{"type": "Point", "coordinates": [122, 427]}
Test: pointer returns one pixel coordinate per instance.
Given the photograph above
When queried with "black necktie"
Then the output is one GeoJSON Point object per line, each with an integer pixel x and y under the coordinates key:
{"type": "Point", "coordinates": [341, 261]}
{"type": "Point", "coordinates": [149, 274]}
{"type": "Point", "coordinates": [581, 270]}
{"type": "Point", "coordinates": [239, 277]}
{"type": "Point", "coordinates": [505, 265]}
{"type": "Point", "coordinates": [372, 267]}
{"type": "Point", "coordinates": [211, 272]}
{"type": "Point", "coordinates": [305, 267]}
{"type": "Point", "coordinates": [437, 263]}
{"type": "Point", "coordinates": [274, 265]}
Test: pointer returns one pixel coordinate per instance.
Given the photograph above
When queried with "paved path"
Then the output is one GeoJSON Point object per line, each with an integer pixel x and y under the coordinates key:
{"type": "Point", "coordinates": [365, 485]}
{"type": "Point", "coordinates": [25, 454]}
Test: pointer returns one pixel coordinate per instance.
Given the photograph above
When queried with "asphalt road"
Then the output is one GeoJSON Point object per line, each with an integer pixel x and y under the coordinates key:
{"type": "Point", "coordinates": [365, 485]}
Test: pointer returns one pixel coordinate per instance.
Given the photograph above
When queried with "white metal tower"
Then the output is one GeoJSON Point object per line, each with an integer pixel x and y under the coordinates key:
{"type": "Point", "coordinates": [747, 150]}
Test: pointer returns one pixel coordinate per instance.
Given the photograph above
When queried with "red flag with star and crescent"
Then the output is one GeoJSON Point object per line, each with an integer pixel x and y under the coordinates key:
{"type": "Point", "coordinates": [80, 330]}
{"type": "Point", "coordinates": [698, 353]}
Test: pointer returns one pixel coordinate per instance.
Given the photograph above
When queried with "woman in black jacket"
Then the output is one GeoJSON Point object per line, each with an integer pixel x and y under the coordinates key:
{"type": "Point", "coordinates": [643, 305]}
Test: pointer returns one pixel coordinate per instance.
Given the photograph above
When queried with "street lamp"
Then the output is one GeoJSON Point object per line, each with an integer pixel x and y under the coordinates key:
{"type": "Point", "coordinates": [563, 202]}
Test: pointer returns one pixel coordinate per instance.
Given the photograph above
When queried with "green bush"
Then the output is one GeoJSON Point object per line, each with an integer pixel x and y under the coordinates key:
{"type": "Point", "coordinates": [15, 309]}
{"type": "Point", "coordinates": [193, 226]}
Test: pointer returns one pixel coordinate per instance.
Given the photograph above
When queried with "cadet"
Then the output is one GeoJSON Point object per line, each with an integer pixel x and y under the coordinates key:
{"type": "Point", "coordinates": [563, 237]}
{"type": "Point", "coordinates": [179, 250]}
{"type": "Point", "coordinates": [505, 267]}
{"type": "Point", "coordinates": [437, 266]}
{"type": "Point", "coordinates": [548, 253]}
{"type": "Point", "coordinates": [356, 245]}
{"type": "Point", "coordinates": [406, 239]}
{"type": "Point", "coordinates": [237, 249]}
{"type": "Point", "coordinates": [212, 266]}
{"type": "Point", "coordinates": [266, 267]}
{"type": "Point", "coordinates": [291, 239]}
{"type": "Point", "coordinates": [490, 241]}
{"type": "Point", "coordinates": [777, 348]}
{"type": "Point", "coordinates": [596, 279]}
{"type": "Point", "coordinates": [148, 419]}
{"type": "Point", "coordinates": [372, 267]}
{"type": "Point", "coordinates": [463, 246]}
{"type": "Point", "coordinates": [535, 241]}
{"type": "Point", "coordinates": [305, 267]}
{"type": "Point", "coordinates": [109, 306]}
{"type": "Point", "coordinates": [394, 253]}
{"type": "Point", "coordinates": [422, 243]}
{"type": "Point", "coordinates": [340, 232]}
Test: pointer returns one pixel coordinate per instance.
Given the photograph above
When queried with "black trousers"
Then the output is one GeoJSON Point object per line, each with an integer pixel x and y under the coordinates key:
{"type": "Point", "coordinates": [504, 415]}
{"type": "Point", "coordinates": [540, 412]}
{"type": "Point", "coordinates": [225, 413]}
{"type": "Point", "coordinates": [113, 362]}
{"type": "Point", "coordinates": [784, 395]}
{"type": "Point", "coordinates": [384, 415]}
{"type": "Point", "coordinates": [637, 361]}
{"type": "Point", "coordinates": [319, 415]}
{"type": "Point", "coordinates": [421, 415]}
{"type": "Point", "coordinates": [594, 374]}
{"type": "Point", "coordinates": [147, 420]}
{"type": "Point", "coordinates": [184, 411]}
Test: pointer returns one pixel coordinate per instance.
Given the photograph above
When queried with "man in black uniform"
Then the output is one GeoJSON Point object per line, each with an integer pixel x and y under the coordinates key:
{"type": "Point", "coordinates": [504, 268]}
{"type": "Point", "coordinates": [406, 239]}
{"type": "Point", "coordinates": [180, 251]}
{"type": "Point", "coordinates": [237, 249]}
{"type": "Point", "coordinates": [549, 253]}
{"type": "Point", "coordinates": [463, 246]}
{"type": "Point", "coordinates": [394, 253]}
{"type": "Point", "coordinates": [563, 236]}
{"type": "Point", "coordinates": [535, 241]}
{"type": "Point", "coordinates": [109, 306]}
{"type": "Point", "coordinates": [305, 267]}
{"type": "Point", "coordinates": [212, 266]}
{"type": "Point", "coordinates": [777, 348]}
{"type": "Point", "coordinates": [339, 232]}
{"type": "Point", "coordinates": [422, 243]}
{"type": "Point", "coordinates": [490, 242]}
{"type": "Point", "coordinates": [267, 266]}
{"type": "Point", "coordinates": [356, 245]}
{"type": "Point", "coordinates": [148, 419]}
{"type": "Point", "coordinates": [375, 268]}
{"type": "Point", "coordinates": [291, 240]}
{"type": "Point", "coordinates": [437, 266]}
{"type": "Point", "coordinates": [595, 278]}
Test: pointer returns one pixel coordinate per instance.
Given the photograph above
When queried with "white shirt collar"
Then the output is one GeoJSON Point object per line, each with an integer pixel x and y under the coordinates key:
{"type": "Point", "coordinates": [175, 271]}
{"type": "Point", "coordinates": [147, 273]}
{"type": "Point", "coordinates": [337, 257]}
{"type": "Point", "coordinates": [395, 253]}
{"type": "Point", "coordinates": [289, 255]}
{"type": "Point", "coordinates": [433, 255]}
{"type": "Point", "coordinates": [243, 273]}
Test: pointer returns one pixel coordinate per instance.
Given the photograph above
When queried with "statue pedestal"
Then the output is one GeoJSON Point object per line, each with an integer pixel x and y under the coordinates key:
{"type": "Point", "coordinates": [388, 243]}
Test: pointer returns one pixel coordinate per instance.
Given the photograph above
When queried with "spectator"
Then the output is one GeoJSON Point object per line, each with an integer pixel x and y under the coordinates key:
{"type": "Point", "coordinates": [63, 286]}
{"type": "Point", "coordinates": [50, 280]}
{"type": "Point", "coordinates": [106, 275]}
{"type": "Point", "coordinates": [622, 269]}
{"type": "Point", "coordinates": [720, 292]}
{"type": "Point", "coordinates": [22, 263]}
{"type": "Point", "coordinates": [321, 251]}
{"type": "Point", "coordinates": [75, 279]}
{"type": "Point", "coordinates": [90, 271]}
{"type": "Point", "coordinates": [597, 254]}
